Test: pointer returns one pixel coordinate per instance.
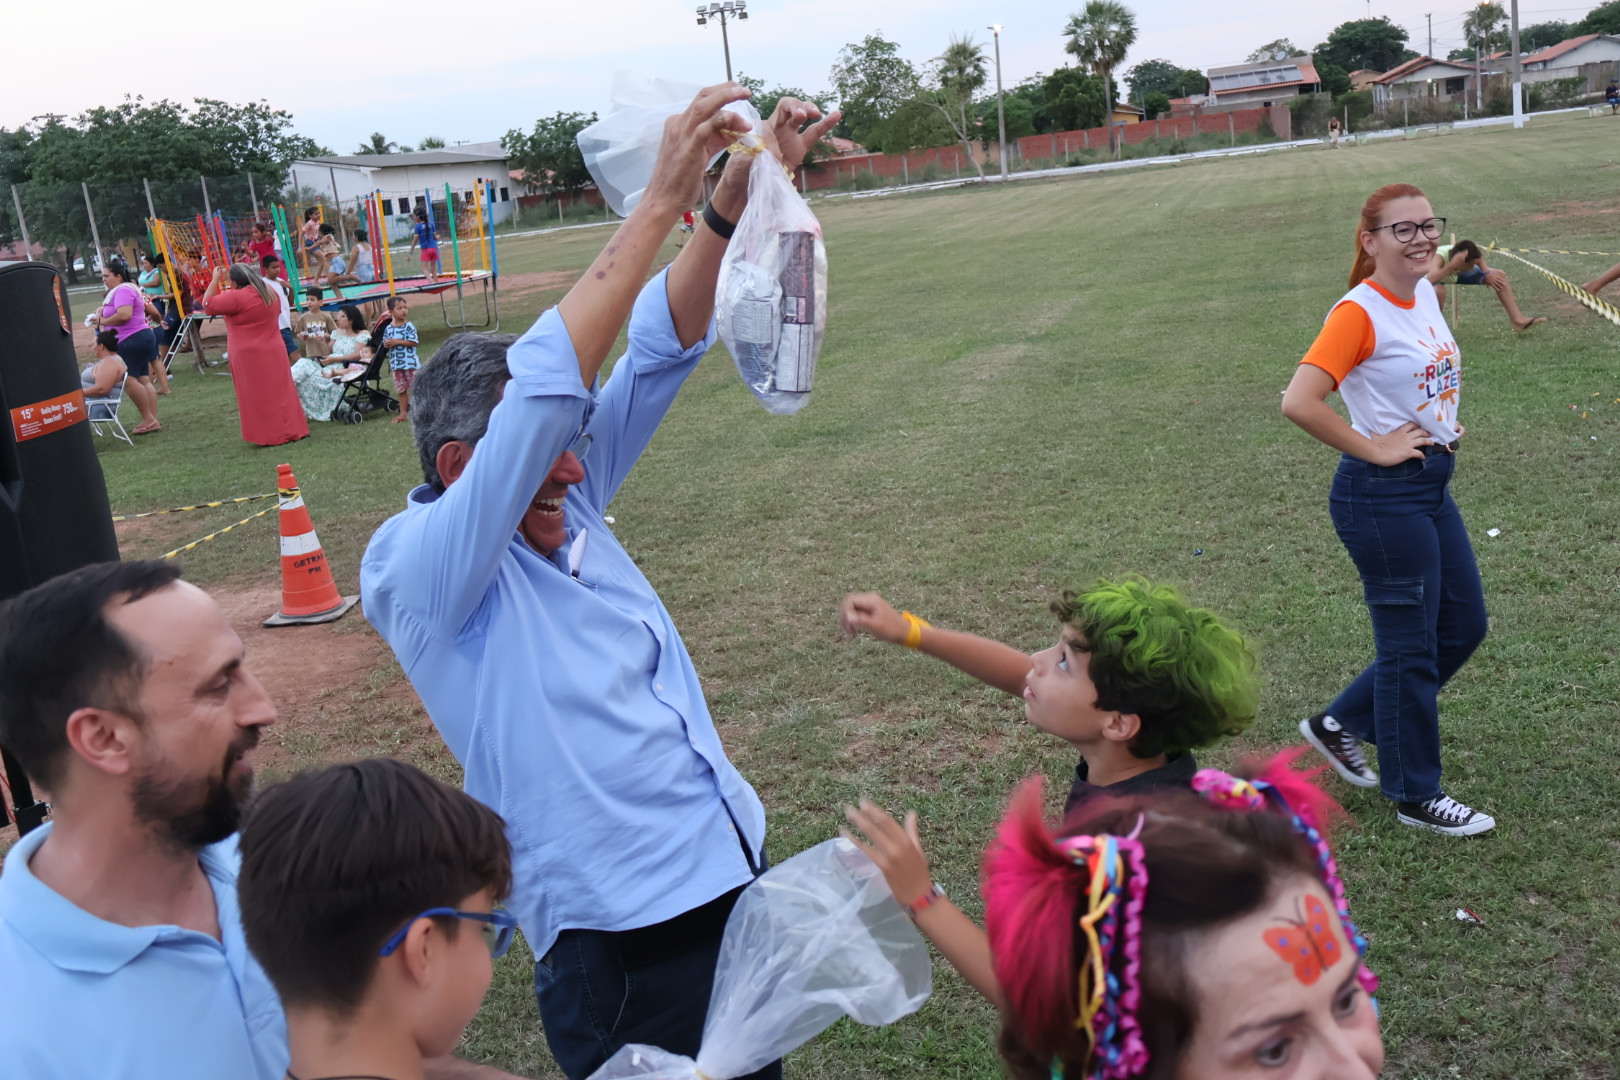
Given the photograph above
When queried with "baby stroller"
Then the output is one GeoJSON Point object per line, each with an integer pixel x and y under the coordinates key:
{"type": "Point", "coordinates": [364, 393]}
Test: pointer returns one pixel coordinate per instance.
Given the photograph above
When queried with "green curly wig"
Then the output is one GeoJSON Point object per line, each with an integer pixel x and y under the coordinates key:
{"type": "Point", "coordinates": [1189, 678]}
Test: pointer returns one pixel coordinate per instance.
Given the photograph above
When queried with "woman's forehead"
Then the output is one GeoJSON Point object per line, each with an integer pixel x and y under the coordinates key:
{"type": "Point", "coordinates": [1406, 208]}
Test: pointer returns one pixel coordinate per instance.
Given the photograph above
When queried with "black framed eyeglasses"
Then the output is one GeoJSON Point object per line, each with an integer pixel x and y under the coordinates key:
{"type": "Point", "coordinates": [1405, 232]}
{"type": "Point", "coordinates": [498, 928]}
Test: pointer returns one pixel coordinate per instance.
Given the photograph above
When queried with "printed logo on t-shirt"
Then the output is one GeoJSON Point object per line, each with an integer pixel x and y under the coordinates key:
{"type": "Point", "coordinates": [1440, 379]}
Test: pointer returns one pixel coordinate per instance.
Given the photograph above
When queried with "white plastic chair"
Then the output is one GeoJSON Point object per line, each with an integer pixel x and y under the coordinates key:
{"type": "Point", "coordinates": [103, 412]}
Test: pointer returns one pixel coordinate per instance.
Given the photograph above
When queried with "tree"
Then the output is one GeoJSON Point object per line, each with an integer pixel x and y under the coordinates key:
{"type": "Point", "coordinates": [1483, 29]}
{"type": "Point", "coordinates": [765, 101]}
{"type": "Point", "coordinates": [1020, 115]}
{"type": "Point", "coordinates": [1334, 79]}
{"type": "Point", "coordinates": [430, 142]}
{"type": "Point", "coordinates": [1603, 19]}
{"type": "Point", "coordinates": [1163, 77]}
{"type": "Point", "coordinates": [1154, 105]}
{"type": "Point", "coordinates": [1541, 35]}
{"type": "Point", "coordinates": [1099, 37]}
{"type": "Point", "coordinates": [549, 155]}
{"type": "Point", "coordinates": [1371, 44]}
{"type": "Point", "coordinates": [872, 81]}
{"type": "Point", "coordinates": [1071, 100]}
{"type": "Point", "coordinates": [959, 73]}
{"type": "Point", "coordinates": [378, 144]}
{"type": "Point", "coordinates": [1281, 49]}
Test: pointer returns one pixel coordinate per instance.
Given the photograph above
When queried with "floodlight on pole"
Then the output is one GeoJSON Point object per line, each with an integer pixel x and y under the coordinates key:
{"type": "Point", "coordinates": [723, 10]}
{"type": "Point", "coordinates": [1001, 108]}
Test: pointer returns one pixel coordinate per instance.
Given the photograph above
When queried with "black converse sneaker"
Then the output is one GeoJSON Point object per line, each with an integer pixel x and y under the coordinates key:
{"type": "Point", "coordinates": [1446, 815]}
{"type": "Point", "coordinates": [1342, 749]}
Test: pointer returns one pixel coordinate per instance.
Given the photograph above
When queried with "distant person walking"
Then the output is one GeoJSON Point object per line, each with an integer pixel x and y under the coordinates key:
{"type": "Point", "coordinates": [1611, 94]}
{"type": "Point", "coordinates": [1333, 132]}
{"type": "Point", "coordinates": [266, 401]}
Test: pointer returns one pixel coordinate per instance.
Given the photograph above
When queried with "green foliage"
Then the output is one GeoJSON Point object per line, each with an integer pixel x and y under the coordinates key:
{"type": "Point", "coordinates": [1541, 35]}
{"type": "Point", "coordinates": [1155, 105]}
{"type": "Point", "coordinates": [957, 74]}
{"type": "Point", "coordinates": [1360, 104]}
{"type": "Point", "coordinates": [1161, 77]}
{"type": "Point", "coordinates": [431, 142]}
{"type": "Point", "coordinates": [379, 144]}
{"type": "Point", "coordinates": [1375, 44]}
{"type": "Point", "coordinates": [765, 101]}
{"type": "Point", "coordinates": [1066, 100]}
{"type": "Point", "coordinates": [1603, 19]}
{"type": "Point", "coordinates": [549, 155]}
{"type": "Point", "coordinates": [1281, 49]}
{"type": "Point", "coordinates": [1557, 93]}
{"type": "Point", "coordinates": [872, 81]}
{"type": "Point", "coordinates": [1099, 37]}
{"type": "Point", "coordinates": [1020, 117]}
{"type": "Point", "coordinates": [917, 124]}
{"type": "Point", "coordinates": [1335, 80]}
{"type": "Point", "coordinates": [1485, 27]}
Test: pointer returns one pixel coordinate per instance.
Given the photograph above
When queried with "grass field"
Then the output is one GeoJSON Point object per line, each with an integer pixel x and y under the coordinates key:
{"type": "Point", "coordinates": [1029, 387]}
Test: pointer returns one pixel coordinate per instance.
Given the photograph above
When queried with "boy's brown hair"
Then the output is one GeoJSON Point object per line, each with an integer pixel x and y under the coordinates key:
{"type": "Point", "coordinates": [336, 860]}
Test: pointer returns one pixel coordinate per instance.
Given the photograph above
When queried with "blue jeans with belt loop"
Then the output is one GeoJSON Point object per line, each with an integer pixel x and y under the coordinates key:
{"type": "Point", "coordinates": [1407, 539]}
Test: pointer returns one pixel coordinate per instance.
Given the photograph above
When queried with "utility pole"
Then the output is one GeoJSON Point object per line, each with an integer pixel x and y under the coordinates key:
{"type": "Point", "coordinates": [1430, 52]}
{"type": "Point", "coordinates": [1518, 71]}
{"type": "Point", "coordinates": [1001, 109]}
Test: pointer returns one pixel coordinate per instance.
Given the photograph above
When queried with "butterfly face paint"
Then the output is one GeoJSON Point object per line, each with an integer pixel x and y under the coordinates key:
{"type": "Point", "coordinates": [1309, 942]}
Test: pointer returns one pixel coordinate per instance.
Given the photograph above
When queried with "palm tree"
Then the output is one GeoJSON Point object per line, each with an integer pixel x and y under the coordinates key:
{"type": "Point", "coordinates": [377, 144]}
{"type": "Point", "coordinates": [1482, 27]}
{"type": "Point", "coordinates": [1099, 37]}
{"type": "Point", "coordinates": [961, 70]}
{"type": "Point", "coordinates": [430, 142]}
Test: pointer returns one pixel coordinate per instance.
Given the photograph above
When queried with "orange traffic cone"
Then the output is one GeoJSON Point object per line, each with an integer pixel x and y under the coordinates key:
{"type": "Point", "coordinates": [308, 594]}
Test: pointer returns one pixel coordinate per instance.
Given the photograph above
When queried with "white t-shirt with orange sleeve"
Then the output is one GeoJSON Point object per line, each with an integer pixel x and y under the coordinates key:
{"type": "Point", "coordinates": [1392, 361]}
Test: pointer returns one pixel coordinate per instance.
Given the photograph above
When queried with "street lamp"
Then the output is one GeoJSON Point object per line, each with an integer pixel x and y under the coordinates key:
{"type": "Point", "coordinates": [737, 9]}
{"type": "Point", "coordinates": [1001, 108]}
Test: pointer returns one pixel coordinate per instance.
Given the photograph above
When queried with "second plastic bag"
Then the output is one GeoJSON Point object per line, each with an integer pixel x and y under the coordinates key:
{"type": "Point", "coordinates": [815, 938]}
{"type": "Point", "coordinates": [771, 300]}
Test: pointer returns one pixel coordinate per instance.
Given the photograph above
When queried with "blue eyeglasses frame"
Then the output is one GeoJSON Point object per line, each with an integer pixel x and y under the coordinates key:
{"type": "Point", "coordinates": [504, 923]}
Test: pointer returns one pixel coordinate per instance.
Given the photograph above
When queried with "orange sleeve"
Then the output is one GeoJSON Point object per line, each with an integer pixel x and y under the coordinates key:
{"type": "Point", "coordinates": [1347, 338]}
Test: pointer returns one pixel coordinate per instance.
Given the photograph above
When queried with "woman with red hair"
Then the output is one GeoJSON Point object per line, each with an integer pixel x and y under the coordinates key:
{"type": "Point", "coordinates": [1386, 349]}
{"type": "Point", "coordinates": [1173, 937]}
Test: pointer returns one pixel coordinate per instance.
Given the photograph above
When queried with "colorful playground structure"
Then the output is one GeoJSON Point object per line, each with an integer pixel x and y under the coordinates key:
{"type": "Point", "coordinates": [462, 224]}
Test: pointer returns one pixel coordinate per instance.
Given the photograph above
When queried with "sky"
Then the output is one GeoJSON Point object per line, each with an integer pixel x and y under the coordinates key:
{"type": "Point", "coordinates": [466, 76]}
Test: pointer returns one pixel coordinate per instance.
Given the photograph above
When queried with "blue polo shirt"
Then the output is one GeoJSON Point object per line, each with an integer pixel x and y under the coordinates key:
{"type": "Point", "coordinates": [561, 684]}
{"type": "Point", "coordinates": [87, 998]}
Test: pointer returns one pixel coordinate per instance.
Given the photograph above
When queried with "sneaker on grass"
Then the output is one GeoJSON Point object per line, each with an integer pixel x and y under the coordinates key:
{"type": "Point", "coordinates": [1342, 749]}
{"type": "Point", "coordinates": [1446, 815]}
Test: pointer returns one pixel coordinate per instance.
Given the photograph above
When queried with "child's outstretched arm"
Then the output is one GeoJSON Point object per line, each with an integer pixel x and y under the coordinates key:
{"type": "Point", "coordinates": [898, 853]}
{"type": "Point", "coordinates": [991, 662]}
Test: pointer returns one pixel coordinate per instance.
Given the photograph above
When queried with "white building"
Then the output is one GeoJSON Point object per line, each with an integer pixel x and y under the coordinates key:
{"type": "Point", "coordinates": [1571, 58]}
{"type": "Point", "coordinates": [1423, 77]}
{"type": "Point", "coordinates": [406, 180]}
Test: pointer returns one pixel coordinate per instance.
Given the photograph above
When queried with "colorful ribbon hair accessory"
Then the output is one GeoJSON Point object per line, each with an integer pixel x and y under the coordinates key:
{"type": "Point", "coordinates": [1234, 793]}
{"type": "Point", "coordinates": [1110, 978]}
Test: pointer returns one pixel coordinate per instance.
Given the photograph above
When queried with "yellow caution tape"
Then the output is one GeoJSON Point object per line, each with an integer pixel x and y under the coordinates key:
{"type": "Point", "coordinates": [199, 506]}
{"type": "Point", "coordinates": [222, 532]}
{"type": "Point", "coordinates": [1602, 307]}
{"type": "Point", "coordinates": [1559, 251]}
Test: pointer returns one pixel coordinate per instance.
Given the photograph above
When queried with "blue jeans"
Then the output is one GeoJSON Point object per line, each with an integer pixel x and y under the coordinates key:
{"type": "Point", "coordinates": [599, 990]}
{"type": "Point", "coordinates": [1407, 539]}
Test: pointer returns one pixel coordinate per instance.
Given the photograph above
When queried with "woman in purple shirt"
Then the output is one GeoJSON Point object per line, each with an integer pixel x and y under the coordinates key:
{"type": "Point", "coordinates": [124, 313]}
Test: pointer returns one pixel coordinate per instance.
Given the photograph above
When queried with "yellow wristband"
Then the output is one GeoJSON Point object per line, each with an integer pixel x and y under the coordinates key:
{"type": "Point", "coordinates": [914, 629]}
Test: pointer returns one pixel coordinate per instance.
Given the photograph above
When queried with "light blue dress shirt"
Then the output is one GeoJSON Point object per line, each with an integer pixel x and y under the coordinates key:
{"type": "Point", "coordinates": [90, 998]}
{"type": "Point", "coordinates": [568, 697]}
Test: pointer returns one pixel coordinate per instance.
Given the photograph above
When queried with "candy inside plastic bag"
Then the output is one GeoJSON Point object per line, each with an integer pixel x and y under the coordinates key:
{"type": "Point", "coordinates": [771, 300]}
{"type": "Point", "coordinates": [815, 938]}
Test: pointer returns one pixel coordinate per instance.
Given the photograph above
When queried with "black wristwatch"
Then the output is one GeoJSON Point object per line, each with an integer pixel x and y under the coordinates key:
{"type": "Point", "coordinates": [717, 224]}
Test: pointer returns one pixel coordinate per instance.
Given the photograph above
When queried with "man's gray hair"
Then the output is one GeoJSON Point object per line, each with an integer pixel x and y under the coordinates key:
{"type": "Point", "coordinates": [453, 396]}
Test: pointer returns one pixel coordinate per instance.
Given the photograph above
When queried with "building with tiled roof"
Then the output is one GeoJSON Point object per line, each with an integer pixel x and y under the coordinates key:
{"type": "Point", "coordinates": [1269, 82]}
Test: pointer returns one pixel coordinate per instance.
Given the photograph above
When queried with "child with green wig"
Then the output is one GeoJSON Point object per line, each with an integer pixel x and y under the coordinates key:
{"type": "Point", "coordinates": [1137, 681]}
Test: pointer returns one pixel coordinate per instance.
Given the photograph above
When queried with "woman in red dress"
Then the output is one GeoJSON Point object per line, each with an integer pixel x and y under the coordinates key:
{"type": "Point", "coordinates": [266, 399]}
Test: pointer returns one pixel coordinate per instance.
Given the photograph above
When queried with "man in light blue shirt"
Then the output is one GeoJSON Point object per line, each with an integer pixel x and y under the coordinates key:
{"type": "Point", "coordinates": [122, 693]}
{"type": "Point", "coordinates": [545, 658]}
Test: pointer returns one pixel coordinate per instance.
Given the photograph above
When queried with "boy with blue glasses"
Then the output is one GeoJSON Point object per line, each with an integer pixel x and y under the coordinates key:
{"type": "Point", "coordinates": [368, 895]}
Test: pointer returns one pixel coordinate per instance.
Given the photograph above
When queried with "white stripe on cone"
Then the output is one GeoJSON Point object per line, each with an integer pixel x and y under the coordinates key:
{"type": "Point", "coordinates": [292, 546]}
{"type": "Point", "coordinates": [294, 503]}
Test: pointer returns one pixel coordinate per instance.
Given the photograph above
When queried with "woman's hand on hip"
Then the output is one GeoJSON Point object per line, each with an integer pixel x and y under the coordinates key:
{"type": "Point", "coordinates": [1402, 444]}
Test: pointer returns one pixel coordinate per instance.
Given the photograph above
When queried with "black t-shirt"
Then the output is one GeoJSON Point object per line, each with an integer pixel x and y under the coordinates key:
{"type": "Point", "coordinates": [1177, 772]}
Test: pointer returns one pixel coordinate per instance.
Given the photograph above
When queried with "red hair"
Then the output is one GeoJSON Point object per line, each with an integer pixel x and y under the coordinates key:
{"type": "Point", "coordinates": [1362, 268]}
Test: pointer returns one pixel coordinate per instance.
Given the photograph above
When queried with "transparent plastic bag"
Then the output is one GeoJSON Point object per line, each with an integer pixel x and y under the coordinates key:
{"type": "Point", "coordinates": [771, 300]}
{"type": "Point", "coordinates": [620, 149]}
{"type": "Point", "coordinates": [816, 938]}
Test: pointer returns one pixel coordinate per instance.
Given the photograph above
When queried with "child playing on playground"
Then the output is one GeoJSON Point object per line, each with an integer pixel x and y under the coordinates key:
{"type": "Point", "coordinates": [262, 244]}
{"type": "Point", "coordinates": [422, 236]}
{"type": "Point", "coordinates": [357, 268]}
{"type": "Point", "coordinates": [400, 339]}
{"type": "Point", "coordinates": [1136, 681]}
{"type": "Point", "coordinates": [1177, 936]}
{"type": "Point", "coordinates": [323, 255]}
{"type": "Point", "coordinates": [1463, 263]}
{"type": "Point", "coordinates": [368, 895]}
{"type": "Point", "coordinates": [310, 236]}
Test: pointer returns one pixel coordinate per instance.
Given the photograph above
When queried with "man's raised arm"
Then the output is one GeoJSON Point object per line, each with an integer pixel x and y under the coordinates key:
{"type": "Point", "coordinates": [596, 308]}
